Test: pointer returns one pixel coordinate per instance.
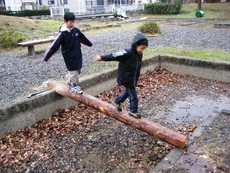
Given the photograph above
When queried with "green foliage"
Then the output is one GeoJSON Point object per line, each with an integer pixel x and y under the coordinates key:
{"type": "Point", "coordinates": [163, 8]}
{"type": "Point", "coordinates": [150, 27]}
{"type": "Point", "coordinates": [9, 39]}
{"type": "Point", "coordinates": [26, 13]}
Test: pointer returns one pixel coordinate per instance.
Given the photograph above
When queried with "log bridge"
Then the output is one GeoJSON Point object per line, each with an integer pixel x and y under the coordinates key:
{"type": "Point", "coordinates": [142, 124]}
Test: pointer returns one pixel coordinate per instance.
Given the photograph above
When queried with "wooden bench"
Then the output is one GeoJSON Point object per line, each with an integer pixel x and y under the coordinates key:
{"type": "Point", "coordinates": [30, 44]}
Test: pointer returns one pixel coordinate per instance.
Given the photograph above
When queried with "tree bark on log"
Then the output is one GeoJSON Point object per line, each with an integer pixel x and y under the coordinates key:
{"type": "Point", "coordinates": [142, 124]}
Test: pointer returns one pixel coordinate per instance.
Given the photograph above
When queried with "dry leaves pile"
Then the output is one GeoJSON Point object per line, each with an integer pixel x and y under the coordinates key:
{"type": "Point", "coordinates": [17, 147]}
{"type": "Point", "coordinates": [149, 83]}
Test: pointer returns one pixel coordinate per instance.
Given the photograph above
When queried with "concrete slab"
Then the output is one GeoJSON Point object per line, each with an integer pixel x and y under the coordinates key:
{"type": "Point", "coordinates": [166, 164]}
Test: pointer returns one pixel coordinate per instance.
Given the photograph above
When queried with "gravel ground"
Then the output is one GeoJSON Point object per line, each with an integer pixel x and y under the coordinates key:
{"type": "Point", "coordinates": [21, 75]}
{"type": "Point", "coordinates": [80, 139]}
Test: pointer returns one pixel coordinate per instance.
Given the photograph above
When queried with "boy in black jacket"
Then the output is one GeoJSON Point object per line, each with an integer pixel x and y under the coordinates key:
{"type": "Point", "coordinates": [70, 39]}
{"type": "Point", "coordinates": [128, 72]}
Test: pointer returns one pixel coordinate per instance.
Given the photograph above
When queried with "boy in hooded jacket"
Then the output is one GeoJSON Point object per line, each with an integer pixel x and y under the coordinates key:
{"type": "Point", "coordinates": [128, 72]}
{"type": "Point", "coordinates": [70, 39]}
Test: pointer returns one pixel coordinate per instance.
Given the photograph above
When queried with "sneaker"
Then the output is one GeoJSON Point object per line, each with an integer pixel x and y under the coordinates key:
{"type": "Point", "coordinates": [135, 114]}
{"type": "Point", "coordinates": [118, 106]}
{"type": "Point", "coordinates": [76, 89]}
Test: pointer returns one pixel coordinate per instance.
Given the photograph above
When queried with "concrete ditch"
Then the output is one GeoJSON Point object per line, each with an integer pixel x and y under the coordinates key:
{"type": "Point", "coordinates": [25, 112]}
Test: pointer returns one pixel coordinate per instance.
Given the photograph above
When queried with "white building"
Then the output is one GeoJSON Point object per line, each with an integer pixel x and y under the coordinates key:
{"type": "Point", "coordinates": [16, 5]}
{"type": "Point", "coordinates": [76, 6]}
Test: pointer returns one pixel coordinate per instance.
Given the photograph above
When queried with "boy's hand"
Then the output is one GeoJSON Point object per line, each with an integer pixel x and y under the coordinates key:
{"type": "Point", "coordinates": [42, 60]}
{"type": "Point", "coordinates": [98, 58]}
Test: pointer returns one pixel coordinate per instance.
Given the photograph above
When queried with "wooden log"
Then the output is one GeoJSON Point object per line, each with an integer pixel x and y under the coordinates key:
{"type": "Point", "coordinates": [142, 124]}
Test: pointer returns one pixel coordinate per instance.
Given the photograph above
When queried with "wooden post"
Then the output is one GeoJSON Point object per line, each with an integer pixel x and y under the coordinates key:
{"type": "Point", "coordinates": [31, 50]}
{"type": "Point", "coordinates": [143, 124]}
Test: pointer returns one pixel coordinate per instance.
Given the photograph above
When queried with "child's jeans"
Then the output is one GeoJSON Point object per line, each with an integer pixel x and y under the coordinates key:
{"type": "Point", "coordinates": [72, 77]}
{"type": "Point", "coordinates": [130, 92]}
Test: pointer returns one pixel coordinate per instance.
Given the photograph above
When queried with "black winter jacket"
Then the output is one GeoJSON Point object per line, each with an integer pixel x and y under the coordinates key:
{"type": "Point", "coordinates": [70, 42]}
{"type": "Point", "coordinates": [129, 63]}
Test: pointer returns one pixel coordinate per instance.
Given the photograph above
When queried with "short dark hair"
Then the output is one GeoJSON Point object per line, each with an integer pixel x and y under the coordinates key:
{"type": "Point", "coordinates": [69, 16]}
{"type": "Point", "coordinates": [143, 42]}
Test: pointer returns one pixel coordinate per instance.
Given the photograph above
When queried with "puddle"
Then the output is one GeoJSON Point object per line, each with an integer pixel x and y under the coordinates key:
{"type": "Point", "coordinates": [195, 109]}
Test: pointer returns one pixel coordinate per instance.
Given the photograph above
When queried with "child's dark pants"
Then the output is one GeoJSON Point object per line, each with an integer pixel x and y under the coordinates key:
{"type": "Point", "coordinates": [130, 92]}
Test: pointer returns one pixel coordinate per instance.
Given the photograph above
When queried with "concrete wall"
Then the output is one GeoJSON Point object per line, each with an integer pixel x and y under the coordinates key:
{"type": "Point", "coordinates": [26, 112]}
{"type": "Point", "coordinates": [201, 68]}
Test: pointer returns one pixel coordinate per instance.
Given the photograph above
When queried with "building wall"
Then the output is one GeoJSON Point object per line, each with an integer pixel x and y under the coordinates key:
{"type": "Point", "coordinates": [16, 5]}
{"type": "Point", "coordinates": [76, 6]}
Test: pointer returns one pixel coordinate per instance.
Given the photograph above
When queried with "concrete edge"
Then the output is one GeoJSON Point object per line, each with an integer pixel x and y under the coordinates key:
{"type": "Point", "coordinates": [194, 62]}
{"type": "Point", "coordinates": [24, 112]}
{"type": "Point", "coordinates": [27, 104]}
{"type": "Point", "coordinates": [177, 19]}
{"type": "Point", "coordinates": [100, 27]}
{"type": "Point", "coordinates": [208, 69]}
{"type": "Point", "coordinates": [166, 164]}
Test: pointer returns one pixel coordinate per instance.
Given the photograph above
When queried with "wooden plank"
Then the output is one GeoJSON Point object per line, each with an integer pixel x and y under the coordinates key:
{"type": "Point", "coordinates": [143, 124]}
{"type": "Point", "coordinates": [35, 42]}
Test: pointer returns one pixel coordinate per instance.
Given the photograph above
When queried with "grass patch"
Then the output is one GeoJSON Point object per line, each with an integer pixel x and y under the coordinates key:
{"type": "Point", "coordinates": [211, 10]}
{"type": "Point", "coordinates": [207, 54]}
{"type": "Point", "coordinates": [31, 29]}
{"type": "Point", "coordinates": [38, 29]}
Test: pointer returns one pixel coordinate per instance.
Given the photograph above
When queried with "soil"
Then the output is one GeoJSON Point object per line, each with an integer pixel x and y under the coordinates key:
{"type": "Point", "coordinates": [80, 139]}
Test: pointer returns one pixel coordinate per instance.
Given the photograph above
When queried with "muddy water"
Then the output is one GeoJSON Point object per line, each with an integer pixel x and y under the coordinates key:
{"type": "Point", "coordinates": [195, 108]}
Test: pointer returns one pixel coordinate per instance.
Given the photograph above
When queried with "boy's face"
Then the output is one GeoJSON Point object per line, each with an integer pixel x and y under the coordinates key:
{"type": "Point", "coordinates": [69, 24]}
{"type": "Point", "coordinates": [140, 49]}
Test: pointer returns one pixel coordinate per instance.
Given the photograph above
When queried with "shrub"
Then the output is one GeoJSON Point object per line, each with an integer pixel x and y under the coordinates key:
{"type": "Point", "coordinates": [9, 39]}
{"type": "Point", "coordinates": [150, 27]}
{"type": "Point", "coordinates": [26, 13]}
{"type": "Point", "coordinates": [163, 8]}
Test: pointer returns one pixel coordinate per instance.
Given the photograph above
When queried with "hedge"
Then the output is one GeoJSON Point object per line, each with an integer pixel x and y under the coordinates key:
{"type": "Point", "coordinates": [163, 8]}
{"type": "Point", "coordinates": [26, 13]}
{"type": "Point", "coordinates": [9, 39]}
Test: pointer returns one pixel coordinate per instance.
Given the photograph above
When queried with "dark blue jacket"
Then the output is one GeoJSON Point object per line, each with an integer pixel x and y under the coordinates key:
{"type": "Point", "coordinates": [70, 42]}
{"type": "Point", "coordinates": [129, 63]}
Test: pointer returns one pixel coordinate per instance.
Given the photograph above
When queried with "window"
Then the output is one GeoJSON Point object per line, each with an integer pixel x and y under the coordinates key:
{"type": "Point", "coordinates": [40, 2]}
{"type": "Point", "coordinates": [65, 1]}
{"type": "Point", "coordinates": [50, 2]}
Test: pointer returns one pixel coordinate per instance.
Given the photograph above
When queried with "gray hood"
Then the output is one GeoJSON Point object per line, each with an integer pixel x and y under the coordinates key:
{"type": "Point", "coordinates": [138, 37]}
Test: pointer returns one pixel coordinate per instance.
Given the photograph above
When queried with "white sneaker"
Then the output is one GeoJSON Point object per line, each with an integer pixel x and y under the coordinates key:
{"type": "Point", "coordinates": [76, 89]}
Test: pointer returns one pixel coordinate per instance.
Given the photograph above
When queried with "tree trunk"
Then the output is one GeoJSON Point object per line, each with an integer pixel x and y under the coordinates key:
{"type": "Point", "coordinates": [142, 124]}
{"type": "Point", "coordinates": [199, 5]}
